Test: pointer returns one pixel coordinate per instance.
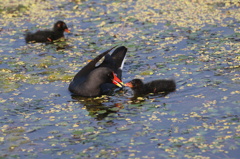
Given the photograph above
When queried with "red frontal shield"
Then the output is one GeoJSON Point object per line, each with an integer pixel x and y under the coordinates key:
{"type": "Point", "coordinates": [117, 81]}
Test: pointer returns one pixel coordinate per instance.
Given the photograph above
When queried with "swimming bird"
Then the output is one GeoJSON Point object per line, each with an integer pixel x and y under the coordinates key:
{"type": "Point", "coordinates": [92, 80]}
{"type": "Point", "coordinates": [48, 35]}
{"type": "Point", "coordinates": [157, 86]}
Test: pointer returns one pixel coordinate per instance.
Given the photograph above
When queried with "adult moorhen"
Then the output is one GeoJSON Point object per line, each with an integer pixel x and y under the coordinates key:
{"type": "Point", "coordinates": [48, 35]}
{"type": "Point", "coordinates": [92, 80]}
{"type": "Point", "coordinates": [157, 86]}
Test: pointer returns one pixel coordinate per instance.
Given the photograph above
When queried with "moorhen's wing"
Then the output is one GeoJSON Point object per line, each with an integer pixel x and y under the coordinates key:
{"type": "Point", "coordinates": [108, 62]}
{"type": "Point", "coordinates": [91, 65]}
{"type": "Point", "coordinates": [39, 36]}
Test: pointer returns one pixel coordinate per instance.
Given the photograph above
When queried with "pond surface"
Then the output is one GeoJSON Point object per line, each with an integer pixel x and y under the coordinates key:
{"type": "Point", "coordinates": [194, 42]}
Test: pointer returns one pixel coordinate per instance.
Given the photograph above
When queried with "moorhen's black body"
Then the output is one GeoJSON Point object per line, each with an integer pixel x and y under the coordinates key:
{"type": "Point", "coordinates": [92, 80]}
{"type": "Point", "coordinates": [155, 87]}
{"type": "Point", "coordinates": [48, 35]}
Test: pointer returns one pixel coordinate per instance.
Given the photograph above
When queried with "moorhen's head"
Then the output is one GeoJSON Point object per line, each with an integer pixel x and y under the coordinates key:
{"type": "Point", "coordinates": [135, 84]}
{"type": "Point", "coordinates": [114, 79]}
{"type": "Point", "coordinates": [105, 75]}
{"type": "Point", "coordinates": [60, 26]}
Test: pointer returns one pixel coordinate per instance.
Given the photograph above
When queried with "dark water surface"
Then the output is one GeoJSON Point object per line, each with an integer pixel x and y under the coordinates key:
{"type": "Point", "coordinates": [196, 43]}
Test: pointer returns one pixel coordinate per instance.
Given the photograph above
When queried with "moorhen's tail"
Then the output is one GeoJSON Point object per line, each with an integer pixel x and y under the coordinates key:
{"type": "Point", "coordinates": [115, 61]}
{"type": "Point", "coordinates": [119, 56]}
{"type": "Point", "coordinates": [170, 85]}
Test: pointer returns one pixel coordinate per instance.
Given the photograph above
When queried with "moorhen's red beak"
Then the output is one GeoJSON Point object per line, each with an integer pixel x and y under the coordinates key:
{"type": "Point", "coordinates": [129, 84]}
{"type": "Point", "coordinates": [117, 81]}
{"type": "Point", "coordinates": [66, 30]}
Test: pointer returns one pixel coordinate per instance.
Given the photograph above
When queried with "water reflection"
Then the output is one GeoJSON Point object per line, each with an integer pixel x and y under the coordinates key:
{"type": "Point", "coordinates": [140, 99]}
{"type": "Point", "coordinates": [99, 107]}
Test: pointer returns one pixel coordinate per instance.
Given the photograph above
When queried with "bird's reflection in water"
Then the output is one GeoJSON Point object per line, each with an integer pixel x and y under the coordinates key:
{"type": "Point", "coordinates": [136, 99]}
{"type": "Point", "coordinates": [60, 44]}
{"type": "Point", "coordinates": [99, 107]}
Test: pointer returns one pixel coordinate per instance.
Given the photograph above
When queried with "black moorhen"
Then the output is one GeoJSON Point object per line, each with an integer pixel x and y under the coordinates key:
{"type": "Point", "coordinates": [48, 35]}
{"type": "Point", "coordinates": [157, 86]}
{"type": "Point", "coordinates": [92, 80]}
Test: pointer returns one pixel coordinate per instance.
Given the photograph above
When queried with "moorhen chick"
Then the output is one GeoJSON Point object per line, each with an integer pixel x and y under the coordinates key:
{"type": "Point", "coordinates": [48, 35]}
{"type": "Point", "coordinates": [158, 86]}
{"type": "Point", "coordinates": [92, 80]}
